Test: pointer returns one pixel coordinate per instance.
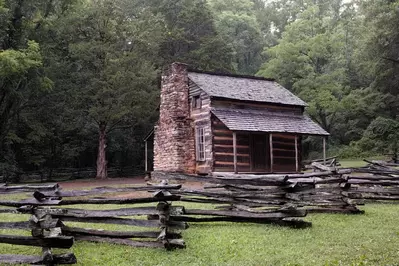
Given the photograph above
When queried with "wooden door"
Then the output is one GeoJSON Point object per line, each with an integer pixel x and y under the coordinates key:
{"type": "Point", "coordinates": [260, 159]}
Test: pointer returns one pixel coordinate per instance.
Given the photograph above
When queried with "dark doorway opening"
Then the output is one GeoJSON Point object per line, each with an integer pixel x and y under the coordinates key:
{"type": "Point", "coordinates": [260, 149]}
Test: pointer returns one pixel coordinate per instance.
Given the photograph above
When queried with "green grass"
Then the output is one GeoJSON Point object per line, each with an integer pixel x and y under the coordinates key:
{"type": "Point", "coordinates": [334, 239]}
{"type": "Point", "coordinates": [352, 163]}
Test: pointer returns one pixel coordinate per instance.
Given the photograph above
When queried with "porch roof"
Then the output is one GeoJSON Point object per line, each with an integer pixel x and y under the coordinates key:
{"type": "Point", "coordinates": [268, 121]}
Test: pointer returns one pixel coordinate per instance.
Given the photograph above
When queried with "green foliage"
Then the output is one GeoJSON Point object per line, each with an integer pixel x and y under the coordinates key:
{"type": "Point", "coordinates": [67, 66]}
{"type": "Point", "coordinates": [190, 35]}
{"type": "Point", "coordinates": [381, 136]}
{"type": "Point", "coordinates": [236, 21]}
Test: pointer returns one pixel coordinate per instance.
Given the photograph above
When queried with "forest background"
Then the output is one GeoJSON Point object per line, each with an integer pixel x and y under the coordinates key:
{"type": "Point", "coordinates": [73, 72]}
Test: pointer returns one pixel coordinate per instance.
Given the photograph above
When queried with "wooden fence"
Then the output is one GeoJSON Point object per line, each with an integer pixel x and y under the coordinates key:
{"type": "Point", "coordinates": [376, 182]}
{"type": "Point", "coordinates": [280, 196]}
{"type": "Point", "coordinates": [274, 198]}
{"type": "Point", "coordinates": [45, 231]}
{"type": "Point", "coordinates": [48, 228]}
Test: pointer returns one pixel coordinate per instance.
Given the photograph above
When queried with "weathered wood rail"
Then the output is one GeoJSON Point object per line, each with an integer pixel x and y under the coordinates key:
{"type": "Point", "coordinates": [49, 220]}
{"type": "Point", "coordinates": [45, 229]}
{"type": "Point", "coordinates": [324, 191]}
{"type": "Point", "coordinates": [376, 182]}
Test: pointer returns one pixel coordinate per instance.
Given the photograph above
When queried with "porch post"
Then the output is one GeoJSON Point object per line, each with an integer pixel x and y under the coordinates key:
{"type": "Point", "coordinates": [324, 150]}
{"type": "Point", "coordinates": [296, 154]}
{"type": "Point", "coordinates": [146, 156]}
{"type": "Point", "coordinates": [271, 151]}
{"type": "Point", "coordinates": [235, 151]}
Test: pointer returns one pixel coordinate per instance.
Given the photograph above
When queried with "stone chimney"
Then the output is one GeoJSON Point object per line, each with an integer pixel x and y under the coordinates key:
{"type": "Point", "coordinates": [174, 148]}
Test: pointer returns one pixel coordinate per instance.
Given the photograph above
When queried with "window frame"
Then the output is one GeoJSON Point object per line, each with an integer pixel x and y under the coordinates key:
{"type": "Point", "coordinates": [196, 102]}
{"type": "Point", "coordinates": [200, 144]}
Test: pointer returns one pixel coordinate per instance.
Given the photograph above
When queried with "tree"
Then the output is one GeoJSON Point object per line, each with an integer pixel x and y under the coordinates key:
{"type": "Point", "coordinates": [237, 22]}
{"type": "Point", "coordinates": [190, 35]}
{"type": "Point", "coordinates": [381, 136]}
{"type": "Point", "coordinates": [113, 78]}
{"type": "Point", "coordinates": [22, 76]}
{"type": "Point", "coordinates": [381, 50]}
{"type": "Point", "coordinates": [311, 59]}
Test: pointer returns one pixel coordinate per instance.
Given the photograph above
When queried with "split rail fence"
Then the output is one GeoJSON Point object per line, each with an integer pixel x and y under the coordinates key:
{"type": "Point", "coordinates": [49, 211]}
{"type": "Point", "coordinates": [282, 199]}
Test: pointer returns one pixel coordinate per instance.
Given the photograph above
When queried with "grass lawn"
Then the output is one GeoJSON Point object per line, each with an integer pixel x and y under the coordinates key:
{"type": "Point", "coordinates": [334, 239]}
{"type": "Point", "coordinates": [352, 163]}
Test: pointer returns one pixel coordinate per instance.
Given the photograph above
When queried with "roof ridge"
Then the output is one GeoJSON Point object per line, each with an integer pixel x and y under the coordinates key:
{"type": "Point", "coordinates": [229, 75]}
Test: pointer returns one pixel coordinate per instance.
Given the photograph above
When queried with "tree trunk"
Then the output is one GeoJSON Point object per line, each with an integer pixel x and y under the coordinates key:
{"type": "Point", "coordinates": [101, 159]}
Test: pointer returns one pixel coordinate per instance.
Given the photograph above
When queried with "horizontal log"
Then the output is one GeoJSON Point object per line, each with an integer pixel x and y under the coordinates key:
{"type": "Point", "coordinates": [244, 214]}
{"type": "Point", "coordinates": [293, 187]}
{"type": "Point", "coordinates": [58, 212]}
{"type": "Point", "coordinates": [375, 171]}
{"type": "Point", "coordinates": [230, 194]}
{"type": "Point", "coordinates": [230, 154]}
{"type": "Point", "coordinates": [132, 222]}
{"type": "Point", "coordinates": [73, 231]}
{"type": "Point", "coordinates": [121, 201]}
{"type": "Point", "coordinates": [110, 220]}
{"type": "Point", "coordinates": [68, 258]}
{"type": "Point", "coordinates": [380, 197]}
{"type": "Point", "coordinates": [281, 222]}
{"type": "Point", "coordinates": [375, 190]}
{"type": "Point", "coordinates": [248, 202]}
{"type": "Point", "coordinates": [103, 190]}
{"type": "Point", "coordinates": [349, 210]}
{"type": "Point", "coordinates": [7, 210]}
{"type": "Point", "coordinates": [120, 241]}
{"type": "Point", "coordinates": [238, 179]}
{"type": "Point", "coordinates": [323, 167]}
{"type": "Point", "coordinates": [374, 177]}
{"type": "Point", "coordinates": [219, 163]}
{"type": "Point", "coordinates": [287, 176]}
{"type": "Point", "coordinates": [27, 188]}
{"type": "Point", "coordinates": [87, 201]}
{"type": "Point", "coordinates": [317, 180]}
{"type": "Point", "coordinates": [54, 242]}
{"type": "Point", "coordinates": [14, 225]}
{"type": "Point", "coordinates": [373, 182]}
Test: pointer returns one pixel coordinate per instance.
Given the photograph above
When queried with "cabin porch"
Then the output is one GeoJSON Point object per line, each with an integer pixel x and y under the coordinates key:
{"type": "Point", "coordinates": [256, 152]}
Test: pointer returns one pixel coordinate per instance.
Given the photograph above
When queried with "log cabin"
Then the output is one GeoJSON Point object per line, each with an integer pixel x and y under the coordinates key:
{"type": "Point", "coordinates": [212, 122]}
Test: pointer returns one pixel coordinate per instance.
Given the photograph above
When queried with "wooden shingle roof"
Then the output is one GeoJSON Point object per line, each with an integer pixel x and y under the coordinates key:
{"type": "Point", "coordinates": [244, 88]}
{"type": "Point", "coordinates": [268, 121]}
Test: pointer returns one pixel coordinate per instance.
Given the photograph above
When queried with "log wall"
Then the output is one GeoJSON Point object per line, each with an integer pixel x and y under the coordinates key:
{"type": "Point", "coordinates": [201, 117]}
{"type": "Point", "coordinates": [223, 149]}
{"type": "Point", "coordinates": [284, 152]}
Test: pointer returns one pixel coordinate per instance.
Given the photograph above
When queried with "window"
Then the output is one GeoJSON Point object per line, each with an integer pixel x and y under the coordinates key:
{"type": "Point", "coordinates": [196, 102]}
{"type": "Point", "coordinates": [200, 143]}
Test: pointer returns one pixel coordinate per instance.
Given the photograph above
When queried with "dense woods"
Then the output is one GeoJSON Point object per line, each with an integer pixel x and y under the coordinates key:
{"type": "Point", "coordinates": [79, 79]}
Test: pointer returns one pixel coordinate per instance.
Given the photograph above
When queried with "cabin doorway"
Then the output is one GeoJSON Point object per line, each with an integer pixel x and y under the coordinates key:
{"type": "Point", "coordinates": [260, 157]}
